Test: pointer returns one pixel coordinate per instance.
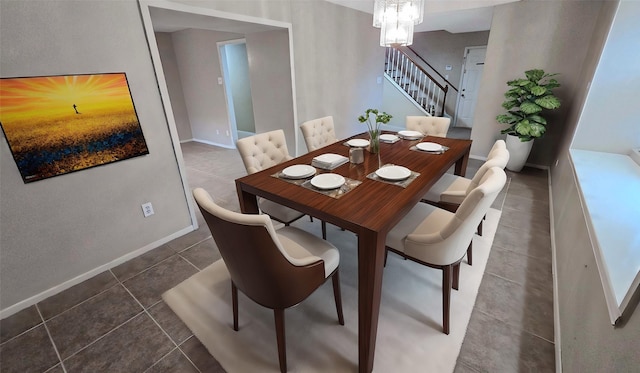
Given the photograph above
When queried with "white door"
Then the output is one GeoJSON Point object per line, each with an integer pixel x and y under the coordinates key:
{"type": "Point", "coordinates": [469, 84]}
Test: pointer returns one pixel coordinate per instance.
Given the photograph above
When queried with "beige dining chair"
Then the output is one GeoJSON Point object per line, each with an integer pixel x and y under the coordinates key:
{"type": "Point", "coordinates": [260, 152]}
{"type": "Point", "coordinates": [439, 238]}
{"type": "Point", "coordinates": [428, 125]}
{"type": "Point", "coordinates": [275, 268]}
{"type": "Point", "coordinates": [450, 190]}
{"type": "Point", "coordinates": [318, 132]}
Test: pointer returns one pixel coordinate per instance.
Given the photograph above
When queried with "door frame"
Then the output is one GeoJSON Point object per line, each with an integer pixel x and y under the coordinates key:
{"type": "Point", "coordinates": [462, 76]}
{"type": "Point", "coordinates": [145, 11]}
{"type": "Point", "coordinates": [226, 80]}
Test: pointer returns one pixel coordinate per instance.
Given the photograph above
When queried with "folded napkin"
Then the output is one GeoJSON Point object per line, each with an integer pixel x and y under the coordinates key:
{"type": "Point", "coordinates": [329, 161]}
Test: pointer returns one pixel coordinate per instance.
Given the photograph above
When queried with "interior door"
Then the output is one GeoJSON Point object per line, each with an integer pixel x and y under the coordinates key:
{"type": "Point", "coordinates": [469, 84]}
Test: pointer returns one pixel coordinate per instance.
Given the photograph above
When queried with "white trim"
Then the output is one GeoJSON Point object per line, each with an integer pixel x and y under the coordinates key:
{"type": "Point", "coordinates": [227, 146]}
{"type": "Point", "coordinates": [554, 274]}
{"type": "Point", "coordinates": [4, 313]}
{"type": "Point", "coordinates": [228, 97]}
{"type": "Point", "coordinates": [166, 103]}
{"type": "Point", "coordinates": [411, 99]}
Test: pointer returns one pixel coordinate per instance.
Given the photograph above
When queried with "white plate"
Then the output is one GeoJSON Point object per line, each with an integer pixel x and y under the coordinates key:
{"type": "Point", "coordinates": [393, 173]}
{"type": "Point", "coordinates": [298, 171]}
{"type": "Point", "coordinates": [388, 137]}
{"type": "Point", "coordinates": [358, 143]}
{"type": "Point", "coordinates": [411, 135]}
{"type": "Point", "coordinates": [327, 181]}
{"type": "Point", "coordinates": [429, 146]}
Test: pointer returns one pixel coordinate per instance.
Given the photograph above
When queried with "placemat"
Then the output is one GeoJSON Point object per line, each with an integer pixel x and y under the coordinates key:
{"type": "Point", "coordinates": [403, 183]}
{"type": "Point", "coordinates": [349, 185]}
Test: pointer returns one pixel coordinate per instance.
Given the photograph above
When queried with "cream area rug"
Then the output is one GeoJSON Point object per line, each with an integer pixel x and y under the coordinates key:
{"type": "Point", "coordinates": [410, 337]}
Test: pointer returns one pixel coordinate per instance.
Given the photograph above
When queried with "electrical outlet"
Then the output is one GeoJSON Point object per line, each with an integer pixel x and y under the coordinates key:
{"type": "Point", "coordinates": [227, 133]}
{"type": "Point", "coordinates": [147, 209]}
{"type": "Point", "coordinates": [217, 132]}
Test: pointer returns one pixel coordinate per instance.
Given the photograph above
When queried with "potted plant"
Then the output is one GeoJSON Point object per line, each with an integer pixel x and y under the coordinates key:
{"type": "Point", "coordinates": [374, 127]}
{"type": "Point", "coordinates": [524, 101]}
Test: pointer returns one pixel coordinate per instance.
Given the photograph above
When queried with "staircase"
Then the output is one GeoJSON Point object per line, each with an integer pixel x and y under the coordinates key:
{"type": "Point", "coordinates": [416, 82]}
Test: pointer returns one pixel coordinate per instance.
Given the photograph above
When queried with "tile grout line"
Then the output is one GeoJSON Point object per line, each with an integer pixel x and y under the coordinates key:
{"type": "Point", "coordinates": [146, 311]}
{"type": "Point", "coordinates": [53, 343]}
{"type": "Point", "coordinates": [515, 326]}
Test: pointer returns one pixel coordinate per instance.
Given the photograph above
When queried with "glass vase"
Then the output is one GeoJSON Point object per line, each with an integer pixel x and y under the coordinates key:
{"type": "Point", "coordinates": [374, 142]}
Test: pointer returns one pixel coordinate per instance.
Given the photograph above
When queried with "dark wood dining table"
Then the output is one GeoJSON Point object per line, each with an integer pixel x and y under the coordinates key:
{"type": "Point", "coordinates": [369, 210]}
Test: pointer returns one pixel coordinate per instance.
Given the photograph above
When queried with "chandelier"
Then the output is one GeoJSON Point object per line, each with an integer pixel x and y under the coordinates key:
{"type": "Point", "coordinates": [396, 19]}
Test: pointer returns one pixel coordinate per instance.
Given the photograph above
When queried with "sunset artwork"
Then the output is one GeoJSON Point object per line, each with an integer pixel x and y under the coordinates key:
{"type": "Point", "coordinates": [60, 124]}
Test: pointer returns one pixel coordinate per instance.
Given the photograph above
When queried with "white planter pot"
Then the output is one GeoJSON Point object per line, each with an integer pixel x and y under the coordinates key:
{"type": "Point", "coordinates": [518, 152]}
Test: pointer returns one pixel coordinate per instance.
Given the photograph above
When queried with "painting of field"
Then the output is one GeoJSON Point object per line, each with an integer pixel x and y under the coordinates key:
{"type": "Point", "coordinates": [60, 124]}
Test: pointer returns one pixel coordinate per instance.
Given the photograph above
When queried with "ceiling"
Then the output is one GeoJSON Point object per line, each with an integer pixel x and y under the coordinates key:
{"type": "Point", "coordinates": [454, 16]}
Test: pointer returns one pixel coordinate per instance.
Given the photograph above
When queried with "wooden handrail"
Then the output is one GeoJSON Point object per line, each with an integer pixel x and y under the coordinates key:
{"type": "Point", "coordinates": [432, 68]}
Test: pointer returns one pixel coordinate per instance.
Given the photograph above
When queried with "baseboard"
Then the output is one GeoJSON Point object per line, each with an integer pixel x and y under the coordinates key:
{"type": "Point", "coordinates": [213, 143]}
{"type": "Point", "coordinates": [185, 141]}
{"type": "Point", "coordinates": [4, 313]}
{"type": "Point", "coordinates": [554, 273]}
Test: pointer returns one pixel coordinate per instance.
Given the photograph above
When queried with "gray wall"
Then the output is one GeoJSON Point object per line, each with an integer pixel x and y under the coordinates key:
{"type": "Point", "coordinates": [550, 35]}
{"type": "Point", "coordinates": [588, 341]}
{"type": "Point", "coordinates": [442, 48]}
{"type": "Point", "coordinates": [172, 76]}
{"type": "Point", "coordinates": [199, 68]}
{"type": "Point", "coordinates": [56, 229]}
{"type": "Point", "coordinates": [398, 105]}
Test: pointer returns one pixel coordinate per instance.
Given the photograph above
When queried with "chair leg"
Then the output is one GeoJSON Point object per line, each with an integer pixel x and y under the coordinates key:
{"type": "Point", "coordinates": [386, 254]}
{"type": "Point", "coordinates": [311, 218]}
{"type": "Point", "coordinates": [456, 276]}
{"type": "Point", "coordinates": [337, 296]}
{"type": "Point", "coordinates": [324, 229]}
{"type": "Point", "coordinates": [470, 253]}
{"type": "Point", "coordinates": [446, 297]}
{"type": "Point", "coordinates": [280, 336]}
{"type": "Point", "coordinates": [480, 228]}
{"type": "Point", "coordinates": [234, 301]}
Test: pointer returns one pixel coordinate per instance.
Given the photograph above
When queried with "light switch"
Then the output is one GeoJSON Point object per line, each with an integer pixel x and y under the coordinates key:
{"type": "Point", "coordinates": [447, 67]}
{"type": "Point", "coordinates": [219, 80]}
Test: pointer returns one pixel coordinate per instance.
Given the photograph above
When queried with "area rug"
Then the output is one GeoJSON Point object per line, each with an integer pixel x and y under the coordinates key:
{"type": "Point", "coordinates": [409, 338]}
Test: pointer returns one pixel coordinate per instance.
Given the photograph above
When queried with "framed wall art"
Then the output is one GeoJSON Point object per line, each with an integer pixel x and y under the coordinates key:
{"type": "Point", "coordinates": [60, 124]}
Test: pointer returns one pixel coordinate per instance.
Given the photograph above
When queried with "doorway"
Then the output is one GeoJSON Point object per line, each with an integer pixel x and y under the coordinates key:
{"type": "Point", "coordinates": [234, 63]}
{"type": "Point", "coordinates": [472, 69]}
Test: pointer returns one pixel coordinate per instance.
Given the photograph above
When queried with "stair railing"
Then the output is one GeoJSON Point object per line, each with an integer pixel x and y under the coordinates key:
{"type": "Point", "coordinates": [426, 91]}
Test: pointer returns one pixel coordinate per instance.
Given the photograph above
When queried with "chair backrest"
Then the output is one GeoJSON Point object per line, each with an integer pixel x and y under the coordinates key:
{"type": "Point", "coordinates": [253, 253]}
{"type": "Point", "coordinates": [499, 144]}
{"type": "Point", "coordinates": [263, 150]}
{"type": "Point", "coordinates": [450, 244]}
{"type": "Point", "coordinates": [498, 157]}
{"type": "Point", "coordinates": [429, 126]}
{"type": "Point", "coordinates": [318, 132]}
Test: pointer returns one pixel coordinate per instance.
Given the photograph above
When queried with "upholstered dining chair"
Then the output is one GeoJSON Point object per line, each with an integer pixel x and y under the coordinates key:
{"type": "Point", "coordinates": [450, 190]}
{"type": "Point", "coordinates": [428, 125]}
{"type": "Point", "coordinates": [439, 238]}
{"type": "Point", "coordinates": [318, 132]}
{"type": "Point", "coordinates": [276, 269]}
{"type": "Point", "coordinates": [262, 151]}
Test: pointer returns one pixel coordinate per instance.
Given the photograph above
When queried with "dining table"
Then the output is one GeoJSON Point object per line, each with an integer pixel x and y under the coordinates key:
{"type": "Point", "coordinates": [370, 208]}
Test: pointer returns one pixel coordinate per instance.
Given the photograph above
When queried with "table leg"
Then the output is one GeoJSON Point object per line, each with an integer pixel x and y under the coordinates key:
{"type": "Point", "coordinates": [248, 201]}
{"type": "Point", "coordinates": [370, 265]}
{"type": "Point", "coordinates": [461, 165]}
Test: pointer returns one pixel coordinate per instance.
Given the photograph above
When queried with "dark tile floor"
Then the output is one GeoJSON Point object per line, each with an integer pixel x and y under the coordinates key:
{"type": "Point", "coordinates": [117, 321]}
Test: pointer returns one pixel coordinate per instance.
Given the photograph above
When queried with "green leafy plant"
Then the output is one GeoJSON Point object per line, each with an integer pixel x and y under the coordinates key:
{"type": "Point", "coordinates": [379, 118]}
{"type": "Point", "coordinates": [525, 100]}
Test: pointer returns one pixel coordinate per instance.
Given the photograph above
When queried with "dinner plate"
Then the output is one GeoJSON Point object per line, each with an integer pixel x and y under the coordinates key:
{"type": "Point", "coordinates": [388, 137]}
{"type": "Point", "coordinates": [393, 173]}
{"type": "Point", "coordinates": [327, 181]}
{"type": "Point", "coordinates": [298, 171]}
{"type": "Point", "coordinates": [358, 143]}
{"type": "Point", "coordinates": [411, 135]}
{"type": "Point", "coordinates": [429, 146]}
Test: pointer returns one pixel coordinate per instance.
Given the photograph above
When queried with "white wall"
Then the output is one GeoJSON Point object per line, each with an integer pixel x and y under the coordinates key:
{"type": "Point", "coordinates": [398, 105]}
{"type": "Point", "coordinates": [528, 34]}
{"type": "Point", "coordinates": [611, 122]}
{"type": "Point", "coordinates": [172, 75]}
{"type": "Point", "coordinates": [56, 229]}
